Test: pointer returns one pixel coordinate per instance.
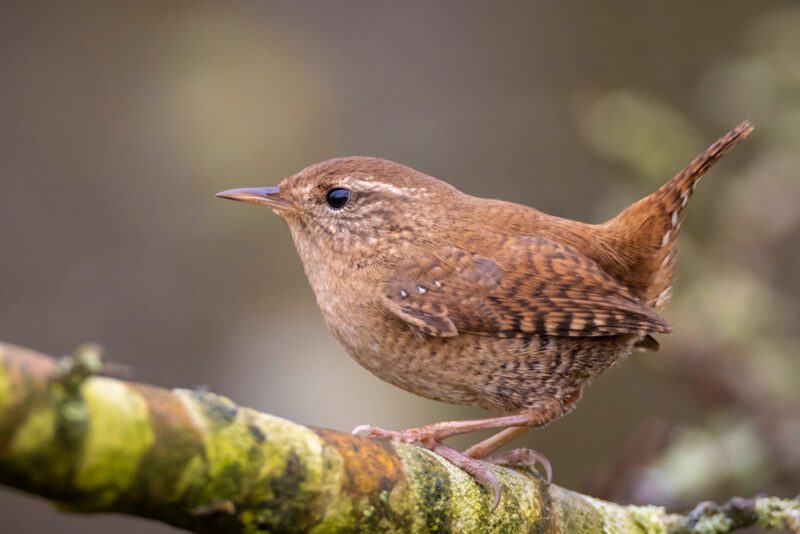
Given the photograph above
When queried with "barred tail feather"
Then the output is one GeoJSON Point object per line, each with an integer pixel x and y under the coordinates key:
{"type": "Point", "coordinates": [651, 225]}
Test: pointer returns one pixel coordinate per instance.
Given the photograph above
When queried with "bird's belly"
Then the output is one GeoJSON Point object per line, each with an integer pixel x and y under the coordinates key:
{"type": "Point", "coordinates": [499, 374]}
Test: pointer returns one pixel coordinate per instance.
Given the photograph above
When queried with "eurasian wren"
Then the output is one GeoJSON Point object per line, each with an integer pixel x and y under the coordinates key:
{"type": "Point", "coordinates": [476, 301]}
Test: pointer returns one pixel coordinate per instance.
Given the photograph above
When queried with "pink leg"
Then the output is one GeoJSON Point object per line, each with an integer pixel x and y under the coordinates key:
{"type": "Point", "coordinates": [522, 458]}
{"type": "Point", "coordinates": [438, 431]}
{"type": "Point", "coordinates": [489, 445]}
{"type": "Point", "coordinates": [431, 436]}
{"type": "Point", "coordinates": [475, 468]}
{"type": "Point", "coordinates": [516, 457]}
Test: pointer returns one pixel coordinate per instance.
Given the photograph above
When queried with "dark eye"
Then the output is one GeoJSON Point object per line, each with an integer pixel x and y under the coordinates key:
{"type": "Point", "coordinates": [338, 197]}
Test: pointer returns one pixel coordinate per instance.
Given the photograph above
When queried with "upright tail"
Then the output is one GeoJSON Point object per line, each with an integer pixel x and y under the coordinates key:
{"type": "Point", "coordinates": [647, 230]}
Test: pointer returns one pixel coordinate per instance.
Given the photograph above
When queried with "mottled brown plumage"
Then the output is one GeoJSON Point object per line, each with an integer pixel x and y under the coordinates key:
{"type": "Point", "coordinates": [475, 301]}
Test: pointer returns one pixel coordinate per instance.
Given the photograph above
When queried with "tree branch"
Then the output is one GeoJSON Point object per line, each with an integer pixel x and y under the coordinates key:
{"type": "Point", "coordinates": [196, 460]}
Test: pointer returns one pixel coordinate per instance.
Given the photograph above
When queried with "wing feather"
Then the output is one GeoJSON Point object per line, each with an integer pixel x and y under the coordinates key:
{"type": "Point", "coordinates": [534, 286]}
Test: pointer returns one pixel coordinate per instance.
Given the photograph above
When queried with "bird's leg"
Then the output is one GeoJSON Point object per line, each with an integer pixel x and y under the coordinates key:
{"type": "Point", "coordinates": [475, 468]}
{"type": "Point", "coordinates": [522, 458]}
{"type": "Point", "coordinates": [485, 450]}
{"type": "Point", "coordinates": [431, 436]}
{"type": "Point", "coordinates": [436, 432]}
{"type": "Point", "coordinates": [486, 447]}
{"type": "Point", "coordinates": [539, 414]}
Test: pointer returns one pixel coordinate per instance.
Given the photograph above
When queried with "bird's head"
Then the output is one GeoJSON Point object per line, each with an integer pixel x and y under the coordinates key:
{"type": "Point", "coordinates": [358, 207]}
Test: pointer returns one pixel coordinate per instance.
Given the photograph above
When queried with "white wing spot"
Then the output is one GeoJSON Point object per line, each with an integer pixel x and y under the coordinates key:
{"type": "Point", "coordinates": [403, 294]}
{"type": "Point", "coordinates": [684, 198]}
{"type": "Point", "coordinates": [665, 239]}
{"type": "Point", "coordinates": [421, 290]}
{"type": "Point", "coordinates": [675, 218]}
{"type": "Point", "coordinates": [577, 324]}
{"type": "Point", "coordinates": [437, 283]}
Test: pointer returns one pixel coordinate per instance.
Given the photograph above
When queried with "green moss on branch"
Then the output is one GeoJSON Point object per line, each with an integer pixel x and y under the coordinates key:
{"type": "Point", "coordinates": [198, 461]}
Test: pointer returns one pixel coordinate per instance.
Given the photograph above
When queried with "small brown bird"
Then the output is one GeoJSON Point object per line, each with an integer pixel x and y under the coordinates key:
{"type": "Point", "coordinates": [480, 302]}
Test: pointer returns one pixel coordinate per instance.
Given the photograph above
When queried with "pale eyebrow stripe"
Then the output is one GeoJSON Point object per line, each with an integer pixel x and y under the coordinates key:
{"type": "Point", "coordinates": [378, 186]}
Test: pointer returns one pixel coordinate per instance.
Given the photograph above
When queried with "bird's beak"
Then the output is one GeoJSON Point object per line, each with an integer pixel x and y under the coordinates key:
{"type": "Point", "coordinates": [266, 196]}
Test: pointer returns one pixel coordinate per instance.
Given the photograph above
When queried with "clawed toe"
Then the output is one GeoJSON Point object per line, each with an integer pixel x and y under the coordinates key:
{"type": "Point", "coordinates": [369, 431]}
{"type": "Point", "coordinates": [366, 431]}
{"type": "Point", "coordinates": [406, 436]}
{"type": "Point", "coordinates": [476, 468]}
{"type": "Point", "coordinates": [424, 437]}
{"type": "Point", "coordinates": [522, 457]}
{"type": "Point", "coordinates": [474, 460]}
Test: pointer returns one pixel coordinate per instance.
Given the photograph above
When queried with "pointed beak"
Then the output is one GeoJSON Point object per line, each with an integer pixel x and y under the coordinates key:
{"type": "Point", "coordinates": [266, 196]}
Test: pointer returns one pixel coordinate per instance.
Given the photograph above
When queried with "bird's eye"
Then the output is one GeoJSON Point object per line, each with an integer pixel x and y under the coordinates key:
{"type": "Point", "coordinates": [337, 197]}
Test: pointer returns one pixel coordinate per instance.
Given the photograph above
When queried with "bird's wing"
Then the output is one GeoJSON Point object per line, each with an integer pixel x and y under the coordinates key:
{"type": "Point", "coordinates": [534, 286]}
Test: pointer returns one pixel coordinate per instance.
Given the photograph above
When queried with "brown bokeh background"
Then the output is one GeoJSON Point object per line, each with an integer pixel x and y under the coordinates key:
{"type": "Point", "coordinates": [120, 120]}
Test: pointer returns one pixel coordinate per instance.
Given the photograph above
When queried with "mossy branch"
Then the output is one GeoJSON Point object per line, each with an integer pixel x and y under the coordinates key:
{"type": "Point", "coordinates": [195, 460]}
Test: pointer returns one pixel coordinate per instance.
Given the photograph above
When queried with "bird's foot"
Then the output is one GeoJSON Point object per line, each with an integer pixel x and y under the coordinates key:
{"type": "Point", "coordinates": [430, 439]}
{"type": "Point", "coordinates": [482, 474]}
{"type": "Point", "coordinates": [422, 435]}
{"type": "Point", "coordinates": [521, 458]}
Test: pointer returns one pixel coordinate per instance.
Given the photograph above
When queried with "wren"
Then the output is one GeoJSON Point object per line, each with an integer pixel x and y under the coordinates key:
{"type": "Point", "coordinates": [480, 302]}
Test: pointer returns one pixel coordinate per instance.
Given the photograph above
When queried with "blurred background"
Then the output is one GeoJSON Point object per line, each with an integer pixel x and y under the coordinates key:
{"type": "Point", "coordinates": [119, 122]}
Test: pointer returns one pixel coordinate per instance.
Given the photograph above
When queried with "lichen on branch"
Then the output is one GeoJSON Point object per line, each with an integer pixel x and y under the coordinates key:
{"type": "Point", "coordinates": [196, 460]}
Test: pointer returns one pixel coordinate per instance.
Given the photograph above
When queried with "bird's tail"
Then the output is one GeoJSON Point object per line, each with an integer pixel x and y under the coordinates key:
{"type": "Point", "coordinates": [650, 227]}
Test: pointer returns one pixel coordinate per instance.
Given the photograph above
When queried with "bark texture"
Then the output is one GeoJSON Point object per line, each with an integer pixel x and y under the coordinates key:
{"type": "Point", "coordinates": [196, 460]}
